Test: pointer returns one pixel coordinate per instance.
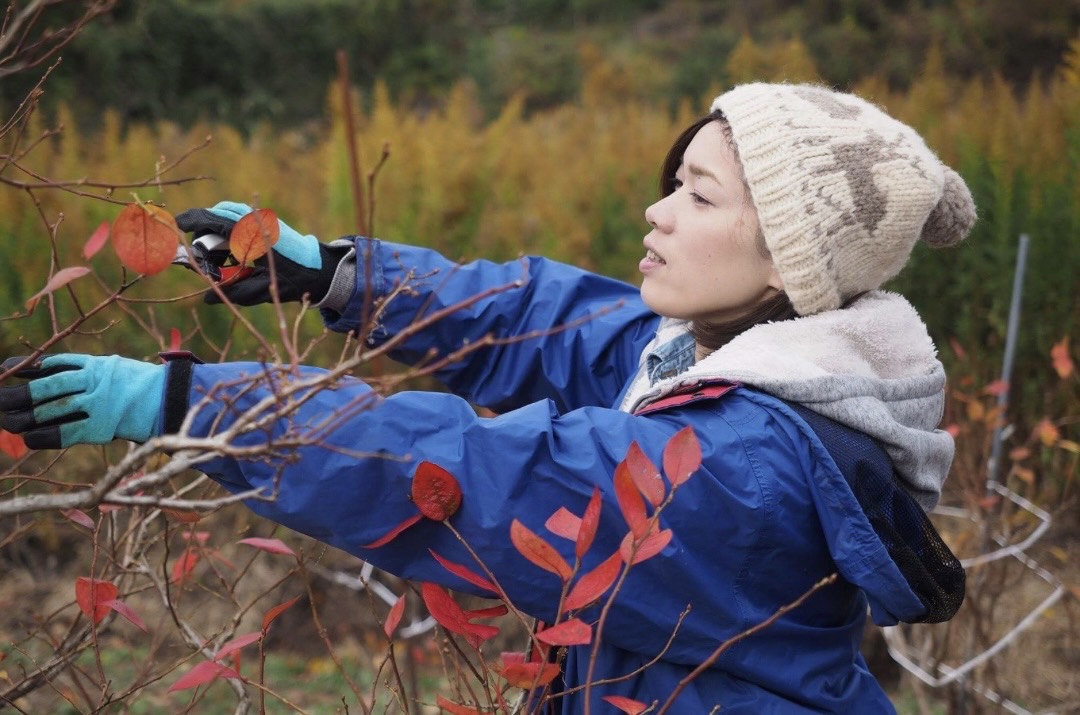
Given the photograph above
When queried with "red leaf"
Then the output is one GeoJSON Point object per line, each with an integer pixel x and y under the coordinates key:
{"type": "Point", "coordinates": [589, 523]}
{"type": "Point", "coordinates": [273, 546]}
{"type": "Point", "coordinates": [454, 708]}
{"type": "Point", "coordinates": [564, 523]}
{"type": "Point", "coordinates": [572, 632]}
{"type": "Point", "coordinates": [464, 573]}
{"type": "Point", "coordinates": [477, 633]}
{"type": "Point", "coordinates": [125, 610]}
{"type": "Point", "coordinates": [592, 585]}
{"type": "Point", "coordinates": [231, 274]}
{"type": "Point", "coordinates": [78, 516]}
{"type": "Point", "coordinates": [650, 546]}
{"type": "Point", "coordinates": [92, 594]}
{"type": "Point", "coordinates": [394, 617]}
{"type": "Point", "coordinates": [538, 551]}
{"type": "Point", "coordinates": [96, 241]}
{"type": "Point", "coordinates": [174, 340]}
{"type": "Point", "coordinates": [199, 537]}
{"type": "Point", "coordinates": [237, 643]}
{"type": "Point", "coordinates": [996, 388]}
{"type": "Point", "coordinates": [524, 675]}
{"type": "Point", "coordinates": [435, 492]}
{"type": "Point", "coordinates": [145, 238]}
{"type": "Point", "coordinates": [12, 444]}
{"type": "Point", "coordinates": [203, 673]}
{"type": "Point", "coordinates": [253, 235]}
{"type": "Point", "coordinates": [1059, 355]}
{"type": "Point", "coordinates": [645, 474]}
{"type": "Point", "coordinates": [628, 706]}
{"type": "Point", "coordinates": [630, 502]}
{"type": "Point", "coordinates": [682, 456]}
{"type": "Point", "coordinates": [491, 612]}
{"type": "Point", "coordinates": [393, 533]}
{"type": "Point", "coordinates": [184, 565]}
{"type": "Point", "coordinates": [60, 279]}
{"type": "Point", "coordinates": [444, 608]}
{"type": "Point", "coordinates": [276, 611]}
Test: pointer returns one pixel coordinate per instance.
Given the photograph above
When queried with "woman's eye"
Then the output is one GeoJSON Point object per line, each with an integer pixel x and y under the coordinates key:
{"type": "Point", "coordinates": [699, 199]}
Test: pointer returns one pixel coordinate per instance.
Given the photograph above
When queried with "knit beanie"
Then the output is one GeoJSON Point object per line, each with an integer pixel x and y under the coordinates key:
{"type": "Point", "coordinates": [842, 190]}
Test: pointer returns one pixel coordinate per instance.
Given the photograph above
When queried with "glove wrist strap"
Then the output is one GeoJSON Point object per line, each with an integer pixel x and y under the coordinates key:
{"type": "Point", "coordinates": [180, 365]}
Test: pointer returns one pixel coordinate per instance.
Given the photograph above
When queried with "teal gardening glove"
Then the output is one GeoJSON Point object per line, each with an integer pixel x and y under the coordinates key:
{"type": "Point", "coordinates": [303, 265]}
{"type": "Point", "coordinates": [83, 399]}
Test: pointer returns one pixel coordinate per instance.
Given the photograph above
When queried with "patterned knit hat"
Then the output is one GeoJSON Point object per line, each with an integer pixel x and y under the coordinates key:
{"type": "Point", "coordinates": [842, 190]}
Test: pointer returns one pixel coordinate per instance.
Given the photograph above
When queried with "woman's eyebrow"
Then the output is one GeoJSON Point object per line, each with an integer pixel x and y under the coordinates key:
{"type": "Point", "coordinates": [701, 171]}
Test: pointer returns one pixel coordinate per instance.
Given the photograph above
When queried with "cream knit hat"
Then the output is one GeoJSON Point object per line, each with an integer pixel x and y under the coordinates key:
{"type": "Point", "coordinates": [842, 190]}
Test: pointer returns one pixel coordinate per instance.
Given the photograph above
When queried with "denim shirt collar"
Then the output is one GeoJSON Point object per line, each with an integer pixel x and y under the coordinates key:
{"type": "Point", "coordinates": [670, 359]}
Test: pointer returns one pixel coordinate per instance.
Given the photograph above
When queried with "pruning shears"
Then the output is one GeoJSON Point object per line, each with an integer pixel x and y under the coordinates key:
{"type": "Point", "coordinates": [210, 254]}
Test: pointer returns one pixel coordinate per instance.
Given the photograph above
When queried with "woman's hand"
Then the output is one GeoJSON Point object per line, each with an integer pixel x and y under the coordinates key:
{"type": "Point", "coordinates": [303, 266]}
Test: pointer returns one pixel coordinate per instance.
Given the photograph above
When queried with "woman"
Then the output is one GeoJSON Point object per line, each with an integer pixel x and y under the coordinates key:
{"type": "Point", "coordinates": [815, 398]}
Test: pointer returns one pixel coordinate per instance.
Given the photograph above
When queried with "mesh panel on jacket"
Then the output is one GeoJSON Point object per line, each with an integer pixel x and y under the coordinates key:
{"type": "Point", "coordinates": [929, 567]}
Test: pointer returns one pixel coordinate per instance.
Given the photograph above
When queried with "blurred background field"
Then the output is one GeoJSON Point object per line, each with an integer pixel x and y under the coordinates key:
{"type": "Point", "coordinates": [538, 126]}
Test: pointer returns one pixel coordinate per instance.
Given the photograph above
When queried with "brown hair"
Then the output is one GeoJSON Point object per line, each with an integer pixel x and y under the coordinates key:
{"type": "Point", "coordinates": [712, 336]}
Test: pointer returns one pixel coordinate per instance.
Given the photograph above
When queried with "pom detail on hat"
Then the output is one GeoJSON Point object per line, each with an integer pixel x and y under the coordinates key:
{"type": "Point", "coordinates": [953, 216]}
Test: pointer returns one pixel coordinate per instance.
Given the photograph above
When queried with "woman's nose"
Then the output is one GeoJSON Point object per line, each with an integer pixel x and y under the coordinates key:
{"type": "Point", "coordinates": [658, 216]}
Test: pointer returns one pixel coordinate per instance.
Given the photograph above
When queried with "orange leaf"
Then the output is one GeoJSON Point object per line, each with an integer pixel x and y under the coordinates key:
{"type": "Point", "coordinates": [592, 585]}
{"type": "Point", "coordinates": [435, 492]}
{"type": "Point", "coordinates": [96, 241]}
{"type": "Point", "coordinates": [524, 675]}
{"type": "Point", "coordinates": [60, 279]}
{"type": "Point", "coordinates": [1048, 432]}
{"type": "Point", "coordinates": [12, 444]}
{"type": "Point", "coordinates": [1018, 454]}
{"type": "Point", "coordinates": [572, 632]}
{"type": "Point", "coordinates": [628, 706]}
{"type": "Point", "coordinates": [203, 673]}
{"type": "Point", "coordinates": [273, 546]}
{"type": "Point", "coordinates": [393, 533]}
{"type": "Point", "coordinates": [996, 388]}
{"type": "Point", "coordinates": [145, 238]}
{"type": "Point", "coordinates": [465, 573]}
{"type": "Point", "coordinates": [682, 456]}
{"type": "Point", "coordinates": [630, 501]}
{"type": "Point", "coordinates": [453, 708]}
{"type": "Point", "coordinates": [645, 474]}
{"type": "Point", "coordinates": [538, 551]}
{"type": "Point", "coordinates": [253, 235]}
{"type": "Point", "coordinates": [648, 547]}
{"type": "Point", "coordinates": [1059, 354]}
{"type": "Point", "coordinates": [394, 617]}
{"type": "Point", "coordinates": [564, 523]}
{"type": "Point", "coordinates": [237, 643]}
{"type": "Point", "coordinates": [184, 516]}
{"type": "Point", "coordinates": [276, 611]}
{"type": "Point", "coordinates": [589, 523]}
{"type": "Point", "coordinates": [92, 594]}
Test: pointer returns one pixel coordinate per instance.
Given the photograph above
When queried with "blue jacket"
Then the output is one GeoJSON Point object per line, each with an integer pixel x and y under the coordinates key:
{"type": "Point", "coordinates": [769, 513]}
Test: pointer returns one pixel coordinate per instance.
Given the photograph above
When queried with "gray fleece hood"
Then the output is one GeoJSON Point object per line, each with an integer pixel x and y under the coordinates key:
{"type": "Point", "coordinates": [871, 366]}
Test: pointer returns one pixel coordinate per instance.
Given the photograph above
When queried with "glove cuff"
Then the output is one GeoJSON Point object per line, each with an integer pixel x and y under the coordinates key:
{"type": "Point", "coordinates": [343, 283]}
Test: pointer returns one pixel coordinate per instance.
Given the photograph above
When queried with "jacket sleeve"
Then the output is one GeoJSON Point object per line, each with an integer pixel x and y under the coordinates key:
{"type": "Point", "coordinates": [574, 336]}
{"type": "Point", "coordinates": [354, 487]}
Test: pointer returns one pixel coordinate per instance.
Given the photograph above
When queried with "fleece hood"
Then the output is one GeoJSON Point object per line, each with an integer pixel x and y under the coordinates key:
{"type": "Point", "coordinates": [870, 366]}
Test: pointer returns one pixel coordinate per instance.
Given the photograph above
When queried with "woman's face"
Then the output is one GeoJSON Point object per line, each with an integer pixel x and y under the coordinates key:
{"type": "Point", "coordinates": [702, 260]}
